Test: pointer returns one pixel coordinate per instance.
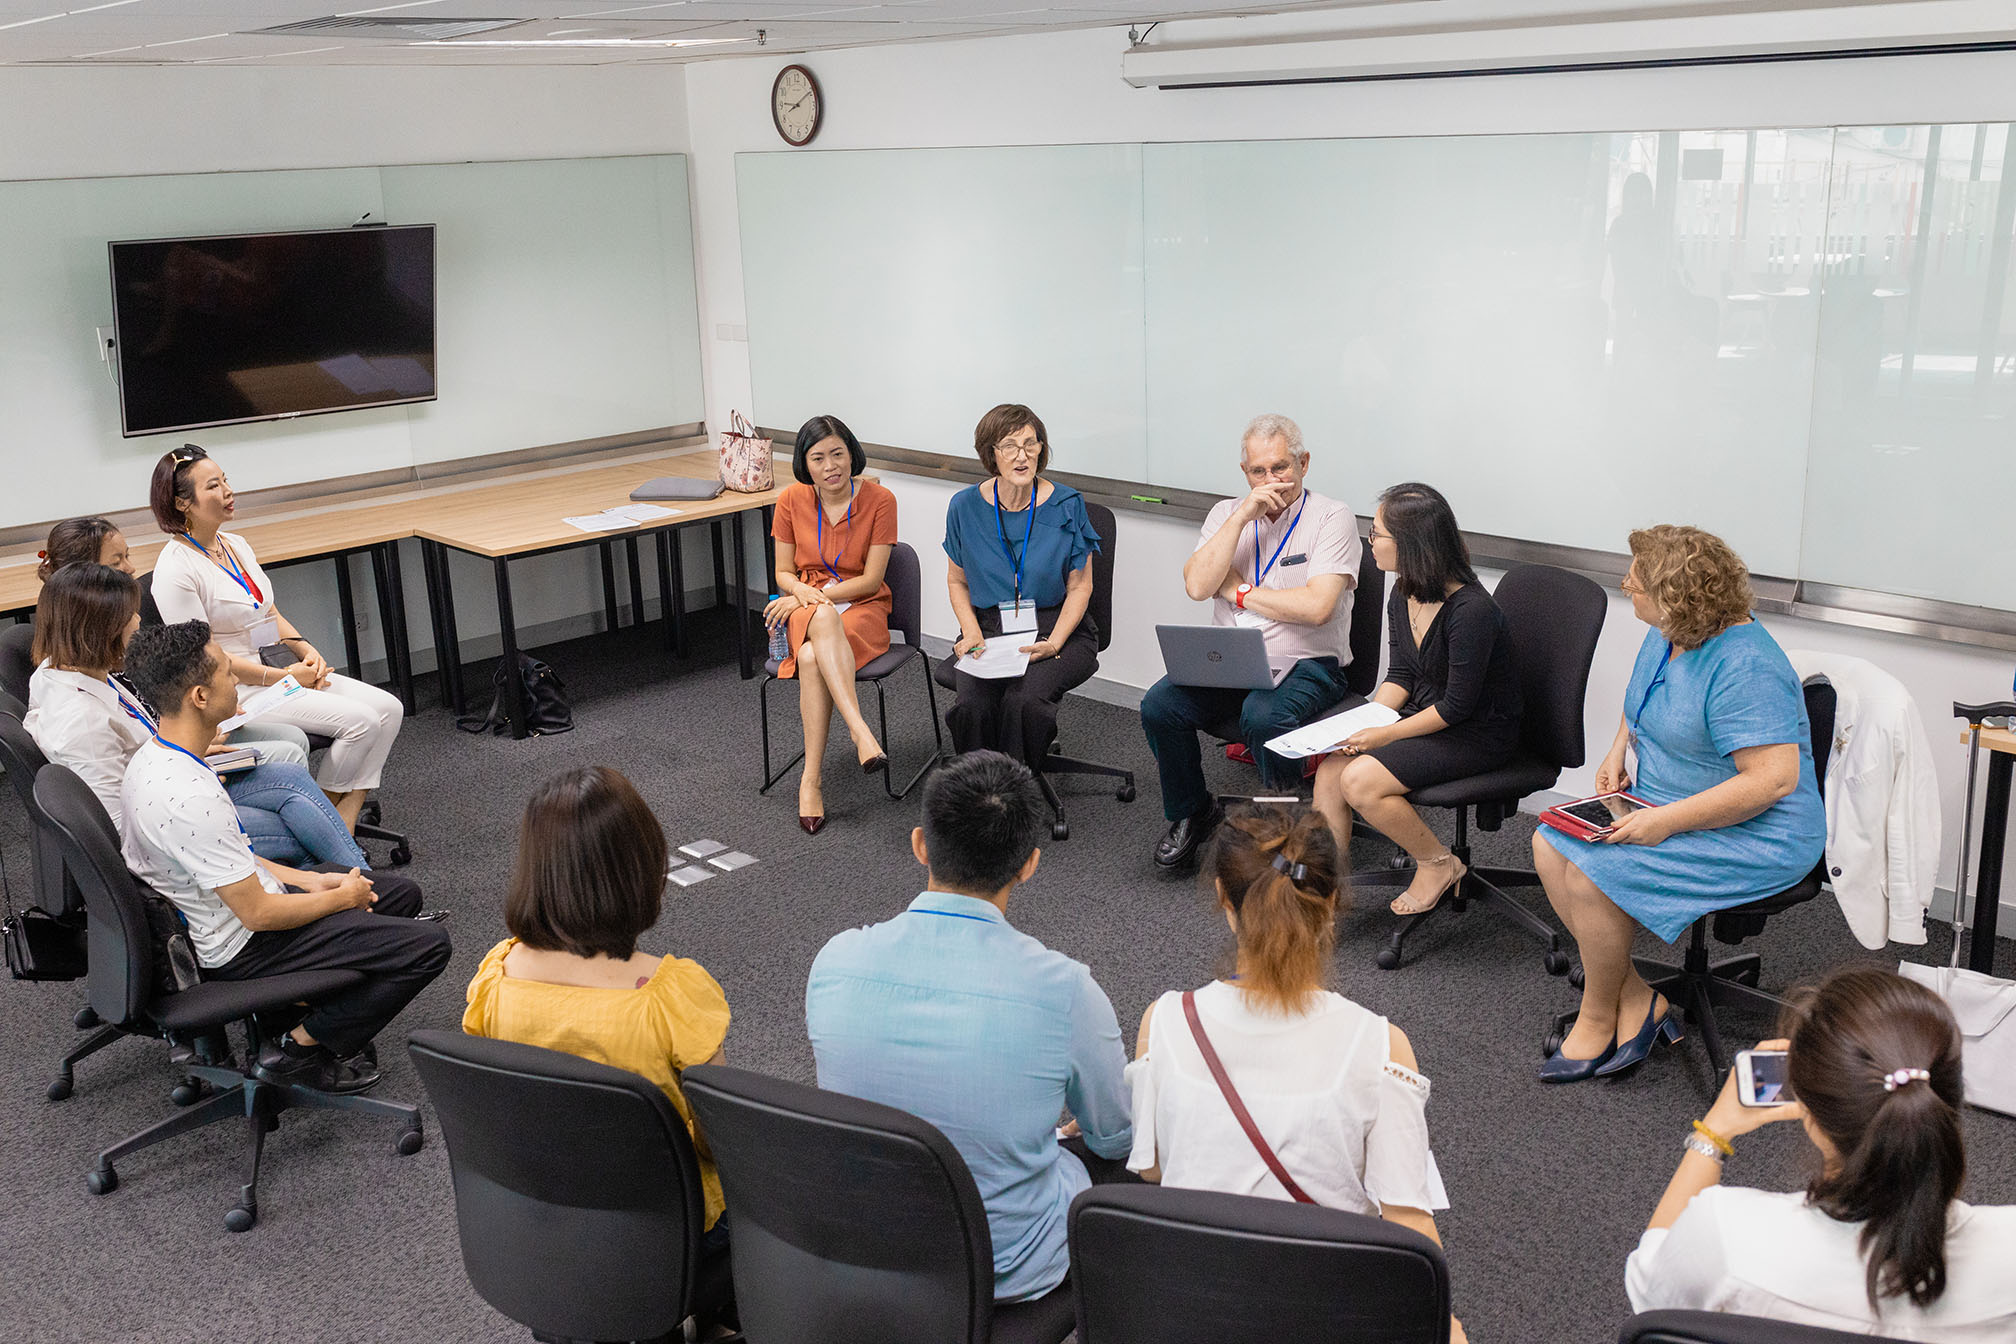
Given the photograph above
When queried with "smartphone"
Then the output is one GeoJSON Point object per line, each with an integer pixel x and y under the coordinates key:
{"type": "Point", "coordinates": [1604, 811]}
{"type": "Point", "coordinates": [1760, 1078]}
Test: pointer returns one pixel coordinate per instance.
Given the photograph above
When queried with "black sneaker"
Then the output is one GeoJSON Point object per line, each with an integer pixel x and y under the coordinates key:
{"type": "Point", "coordinates": [433, 916]}
{"type": "Point", "coordinates": [312, 1067]}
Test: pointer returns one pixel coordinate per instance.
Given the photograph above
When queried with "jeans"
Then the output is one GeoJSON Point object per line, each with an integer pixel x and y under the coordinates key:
{"type": "Point", "coordinates": [1172, 716]}
{"type": "Point", "coordinates": [289, 820]}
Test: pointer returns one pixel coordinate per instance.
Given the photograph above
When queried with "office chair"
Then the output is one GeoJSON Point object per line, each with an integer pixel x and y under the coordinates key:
{"type": "Point", "coordinates": [127, 993]}
{"type": "Point", "coordinates": [1715, 1327]}
{"type": "Point", "coordinates": [1696, 985]}
{"type": "Point", "coordinates": [17, 661]}
{"type": "Point", "coordinates": [55, 893]}
{"type": "Point", "coordinates": [576, 1239]}
{"type": "Point", "coordinates": [855, 1223]}
{"type": "Point", "coordinates": [906, 587]}
{"type": "Point", "coordinates": [1552, 618]}
{"type": "Point", "coordinates": [1157, 1266]}
{"type": "Point", "coordinates": [1100, 611]}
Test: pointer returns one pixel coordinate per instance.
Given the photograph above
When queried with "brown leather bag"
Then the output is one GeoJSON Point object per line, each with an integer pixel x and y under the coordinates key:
{"type": "Point", "coordinates": [1239, 1111]}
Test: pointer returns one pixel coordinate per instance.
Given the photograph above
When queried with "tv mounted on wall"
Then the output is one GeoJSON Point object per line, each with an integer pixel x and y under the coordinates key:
{"type": "Point", "coordinates": [266, 326]}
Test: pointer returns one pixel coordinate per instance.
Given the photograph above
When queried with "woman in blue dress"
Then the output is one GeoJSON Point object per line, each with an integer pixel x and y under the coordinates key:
{"type": "Point", "coordinates": [1020, 572]}
{"type": "Point", "coordinates": [1716, 721]}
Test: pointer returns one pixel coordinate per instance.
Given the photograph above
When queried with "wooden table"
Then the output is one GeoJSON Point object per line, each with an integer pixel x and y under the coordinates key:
{"type": "Point", "coordinates": [524, 516]}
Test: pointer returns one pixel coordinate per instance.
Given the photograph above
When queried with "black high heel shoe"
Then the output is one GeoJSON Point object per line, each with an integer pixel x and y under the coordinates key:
{"type": "Point", "coordinates": [1559, 1068]}
{"type": "Point", "coordinates": [1632, 1052]}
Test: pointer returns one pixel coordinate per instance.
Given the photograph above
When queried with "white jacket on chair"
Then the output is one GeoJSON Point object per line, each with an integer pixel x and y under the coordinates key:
{"type": "Point", "coordinates": [1882, 800]}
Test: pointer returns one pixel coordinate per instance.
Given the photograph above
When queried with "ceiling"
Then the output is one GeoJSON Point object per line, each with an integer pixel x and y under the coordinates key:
{"type": "Point", "coordinates": [602, 32]}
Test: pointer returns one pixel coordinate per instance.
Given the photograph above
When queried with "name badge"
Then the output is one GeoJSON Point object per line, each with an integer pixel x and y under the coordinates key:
{"type": "Point", "coordinates": [263, 632]}
{"type": "Point", "coordinates": [1250, 620]}
{"type": "Point", "coordinates": [837, 606]}
{"type": "Point", "coordinates": [1294, 560]}
{"type": "Point", "coordinates": [1018, 618]}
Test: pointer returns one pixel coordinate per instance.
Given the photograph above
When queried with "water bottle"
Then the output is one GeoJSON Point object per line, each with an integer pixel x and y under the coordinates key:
{"type": "Point", "coordinates": [780, 639]}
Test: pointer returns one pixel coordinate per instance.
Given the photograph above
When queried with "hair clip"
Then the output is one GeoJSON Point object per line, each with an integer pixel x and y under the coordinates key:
{"type": "Point", "coordinates": [41, 555]}
{"type": "Point", "coordinates": [1297, 872]}
{"type": "Point", "coordinates": [1904, 1077]}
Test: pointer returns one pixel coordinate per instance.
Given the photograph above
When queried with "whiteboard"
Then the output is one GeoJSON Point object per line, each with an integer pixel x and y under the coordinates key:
{"type": "Point", "coordinates": [565, 305]}
{"type": "Point", "coordinates": [1573, 335]}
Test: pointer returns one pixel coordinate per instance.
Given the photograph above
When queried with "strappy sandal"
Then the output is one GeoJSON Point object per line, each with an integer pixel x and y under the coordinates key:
{"type": "Point", "coordinates": [1397, 905]}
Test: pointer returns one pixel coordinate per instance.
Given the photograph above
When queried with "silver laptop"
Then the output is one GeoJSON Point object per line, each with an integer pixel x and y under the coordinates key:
{"type": "Point", "coordinates": [676, 487]}
{"type": "Point", "coordinates": [1233, 657]}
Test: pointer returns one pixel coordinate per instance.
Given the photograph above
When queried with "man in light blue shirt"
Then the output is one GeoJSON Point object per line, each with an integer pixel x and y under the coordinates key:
{"type": "Point", "coordinates": [950, 1014]}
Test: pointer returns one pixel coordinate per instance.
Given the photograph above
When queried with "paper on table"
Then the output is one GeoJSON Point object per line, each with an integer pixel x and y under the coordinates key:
{"type": "Point", "coordinates": [998, 661]}
{"type": "Point", "coordinates": [1318, 737]}
{"type": "Point", "coordinates": [599, 522]}
{"type": "Point", "coordinates": [263, 701]}
{"type": "Point", "coordinates": [642, 513]}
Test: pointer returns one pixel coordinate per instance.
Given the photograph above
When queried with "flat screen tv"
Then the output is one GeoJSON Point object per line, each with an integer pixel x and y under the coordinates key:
{"type": "Point", "coordinates": [266, 326]}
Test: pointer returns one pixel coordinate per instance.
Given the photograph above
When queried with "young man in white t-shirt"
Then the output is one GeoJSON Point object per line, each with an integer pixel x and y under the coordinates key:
{"type": "Point", "coordinates": [247, 917]}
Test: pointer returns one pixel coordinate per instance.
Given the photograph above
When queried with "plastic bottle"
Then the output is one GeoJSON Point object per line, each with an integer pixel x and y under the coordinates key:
{"type": "Point", "coordinates": [780, 639]}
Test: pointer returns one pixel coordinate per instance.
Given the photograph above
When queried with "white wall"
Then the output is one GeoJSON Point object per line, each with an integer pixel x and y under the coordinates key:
{"type": "Point", "coordinates": [1066, 89]}
{"type": "Point", "coordinates": [72, 123]}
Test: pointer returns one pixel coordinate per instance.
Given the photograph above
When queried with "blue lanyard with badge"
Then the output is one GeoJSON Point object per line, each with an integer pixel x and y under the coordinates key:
{"type": "Point", "coordinates": [1658, 680]}
{"type": "Point", "coordinates": [146, 719]}
{"type": "Point", "coordinates": [1015, 619]}
{"type": "Point", "coordinates": [176, 746]}
{"type": "Point", "coordinates": [819, 511]}
{"type": "Point", "coordinates": [1261, 572]}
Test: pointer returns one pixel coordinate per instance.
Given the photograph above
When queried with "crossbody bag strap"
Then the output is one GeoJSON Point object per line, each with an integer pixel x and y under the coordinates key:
{"type": "Point", "coordinates": [1239, 1111]}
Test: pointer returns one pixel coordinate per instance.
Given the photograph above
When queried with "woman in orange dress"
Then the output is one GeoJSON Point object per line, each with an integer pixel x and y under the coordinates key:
{"type": "Point", "coordinates": [834, 533]}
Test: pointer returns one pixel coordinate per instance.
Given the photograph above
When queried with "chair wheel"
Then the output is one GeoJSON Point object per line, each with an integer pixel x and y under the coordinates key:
{"type": "Point", "coordinates": [1059, 831]}
{"type": "Point", "coordinates": [401, 856]}
{"type": "Point", "coordinates": [241, 1219]}
{"type": "Point", "coordinates": [1400, 861]}
{"type": "Point", "coordinates": [1552, 1044]}
{"type": "Point", "coordinates": [87, 1018]}
{"type": "Point", "coordinates": [187, 1092]}
{"type": "Point", "coordinates": [103, 1181]}
{"type": "Point", "coordinates": [59, 1089]}
{"type": "Point", "coordinates": [410, 1142]}
{"type": "Point", "coordinates": [370, 814]}
{"type": "Point", "coordinates": [1557, 962]}
{"type": "Point", "coordinates": [1576, 975]}
{"type": "Point", "coordinates": [1389, 958]}
{"type": "Point", "coordinates": [1125, 793]}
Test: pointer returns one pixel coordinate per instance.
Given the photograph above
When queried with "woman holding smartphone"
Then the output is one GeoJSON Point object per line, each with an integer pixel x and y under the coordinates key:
{"type": "Point", "coordinates": [1715, 719]}
{"type": "Point", "coordinates": [1878, 1242]}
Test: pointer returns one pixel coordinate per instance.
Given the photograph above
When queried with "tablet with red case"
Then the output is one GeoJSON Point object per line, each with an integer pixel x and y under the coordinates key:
{"type": "Point", "coordinates": [1564, 817]}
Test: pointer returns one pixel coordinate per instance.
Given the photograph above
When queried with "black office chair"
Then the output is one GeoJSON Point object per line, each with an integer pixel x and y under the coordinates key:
{"type": "Point", "coordinates": [1715, 1327]}
{"type": "Point", "coordinates": [1100, 611]}
{"type": "Point", "coordinates": [17, 661]}
{"type": "Point", "coordinates": [1553, 619]}
{"type": "Point", "coordinates": [906, 586]}
{"type": "Point", "coordinates": [1697, 985]}
{"type": "Point", "coordinates": [1157, 1266]}
{"type": "Point", "coordinates": [577, 1192]}
{"type": "Point", "coordinates": [854, 1223]}
{"type": "Point", "coordinates": [125, 993]}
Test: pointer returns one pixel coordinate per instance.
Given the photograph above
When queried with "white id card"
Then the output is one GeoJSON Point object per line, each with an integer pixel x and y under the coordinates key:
{"type": "Point", "coordinates": [1018, 618]}
{"type": "Point", "coordinates": [263, 631]}
{"type": "Point", "coordinates": [1250, 620]}
{"type": "Point", "coordinates": [837, 606]}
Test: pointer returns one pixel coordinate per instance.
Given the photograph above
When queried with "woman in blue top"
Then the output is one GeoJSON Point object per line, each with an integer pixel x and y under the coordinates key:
{"type": "Point", "coordinates": [1021, 569]}
{"type": "Point", "coordinates": [1717, 722]}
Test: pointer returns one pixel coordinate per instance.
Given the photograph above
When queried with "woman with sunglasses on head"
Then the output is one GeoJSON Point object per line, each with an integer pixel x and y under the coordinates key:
{"type": "Point", "coordinates": [210, 575]}
{"type": "Point", "coordinates": [1878, 1242]}
{"type": "Point", "coordinates": [1330, 1088]}
{"type": "Point", "coordinates": [1450, 678]}
{"type": "Point", "coordinates": [834, 533]}
{"type": "Point", "coordinates": [1020, 550]}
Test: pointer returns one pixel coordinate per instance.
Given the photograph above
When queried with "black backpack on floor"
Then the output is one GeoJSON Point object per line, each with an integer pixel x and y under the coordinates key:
{"type": "Point", "coordinates": [546, 708]}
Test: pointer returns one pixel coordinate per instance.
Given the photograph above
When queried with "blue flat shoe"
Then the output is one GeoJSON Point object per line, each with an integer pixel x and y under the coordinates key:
{"type": "Point", "coordinates": [1559, 1068]}
{"type": "Point", "coordinates": [1631, 1053]}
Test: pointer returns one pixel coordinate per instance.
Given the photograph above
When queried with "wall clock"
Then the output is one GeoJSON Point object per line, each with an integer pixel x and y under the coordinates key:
{"type": "Point", "coordinates": [796, 106]}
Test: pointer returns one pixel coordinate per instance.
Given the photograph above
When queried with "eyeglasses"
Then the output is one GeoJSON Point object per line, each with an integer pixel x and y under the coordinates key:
{"type": "Point", "coordinates": [1018, 451]}
{"type": "Point", "coordinates": [1631, 585]}
{"type": "Point", "coordinates": [188, 453]}
{"type": "Point", "coordinates": [1374, 534]}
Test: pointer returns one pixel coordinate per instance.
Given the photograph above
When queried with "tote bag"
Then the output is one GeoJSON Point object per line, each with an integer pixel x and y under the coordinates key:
{"type": "Point", "coordinates": [1985, 1008]}
{"type": "Point", "coordinates": [745, 458]}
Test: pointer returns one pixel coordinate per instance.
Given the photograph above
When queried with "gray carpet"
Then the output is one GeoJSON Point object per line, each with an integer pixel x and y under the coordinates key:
{"type": "Point", "coordinates": [1550, 1186]}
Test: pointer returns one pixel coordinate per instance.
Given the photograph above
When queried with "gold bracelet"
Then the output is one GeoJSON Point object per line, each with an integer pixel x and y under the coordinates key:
{"type": "Point", "coordinates": [1721, 1144]}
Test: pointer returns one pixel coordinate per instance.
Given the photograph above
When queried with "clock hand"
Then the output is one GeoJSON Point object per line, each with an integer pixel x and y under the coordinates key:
{"type": "Point", "coordinates": [794, 106]}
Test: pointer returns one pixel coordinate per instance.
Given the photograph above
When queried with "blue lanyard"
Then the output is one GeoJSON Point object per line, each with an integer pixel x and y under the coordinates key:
{"type": "Point", "coordinates": [953, 914]}
{"type": "Point", "coordinates": [230, 566]}
{"type": "Point", "coordinates": [1260, 575]}
{"type": "Point", "coordinates": [1028, 531]}
{"type": "Point", "coordinates": [130, 707]}
{"type": "Point", "coordinates": [176, 746]}
{"type": "Point", "coordinates": [819, 507]}
{"type": "Point", "coordinates": [1658, 680]}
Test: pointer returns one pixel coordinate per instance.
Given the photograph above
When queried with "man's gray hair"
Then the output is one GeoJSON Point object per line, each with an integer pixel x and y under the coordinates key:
{"type": "Point", "coordinates": [1265, 427]}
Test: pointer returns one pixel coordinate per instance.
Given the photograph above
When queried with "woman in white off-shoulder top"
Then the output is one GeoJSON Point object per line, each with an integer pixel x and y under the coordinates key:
{"type": "Point", "coordinates": [1332, 1087]}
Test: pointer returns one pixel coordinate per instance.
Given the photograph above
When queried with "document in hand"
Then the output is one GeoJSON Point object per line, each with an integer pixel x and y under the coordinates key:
{"type": "Point", "coordinates": [1000, 660]}
{"type": "Point", "coordinates": [263, 701]}
{"type": "Point", "coordinates": [1316, 738]}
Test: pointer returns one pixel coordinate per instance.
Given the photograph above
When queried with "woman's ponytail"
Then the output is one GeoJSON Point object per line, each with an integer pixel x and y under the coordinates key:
{"type": "Point", "coordinates": [1876, 1062]}
{"type": "Point", "coordinates": [1277, 870]}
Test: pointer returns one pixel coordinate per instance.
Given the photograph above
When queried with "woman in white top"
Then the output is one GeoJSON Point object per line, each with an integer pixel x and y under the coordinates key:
{"type": "Point", "coordinates": [85, 717]}
{"type": "Point", "coordinates": [1331, 1086]}
{"type": "Point", "coordinates": [207, 574]}
{"type": "Point", "coordinates": [1878, 1242]}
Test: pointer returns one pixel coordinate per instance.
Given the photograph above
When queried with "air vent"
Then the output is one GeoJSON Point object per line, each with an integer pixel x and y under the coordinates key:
{"type": "Point", "coordinates": [364, 25]}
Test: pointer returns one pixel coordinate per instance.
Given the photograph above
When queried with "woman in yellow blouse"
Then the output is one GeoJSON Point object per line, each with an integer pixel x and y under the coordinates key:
{"type": "Point", "coordinates": [587, 883]}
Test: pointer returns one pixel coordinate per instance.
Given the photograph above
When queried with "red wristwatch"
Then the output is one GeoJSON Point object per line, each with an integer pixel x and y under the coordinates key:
{"type": "Point", "coordinates": [1239, 595]}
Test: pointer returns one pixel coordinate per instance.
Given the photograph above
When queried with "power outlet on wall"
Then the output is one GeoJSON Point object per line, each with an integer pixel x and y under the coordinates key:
{"type": "Point", "coordinates": [363, 620]}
